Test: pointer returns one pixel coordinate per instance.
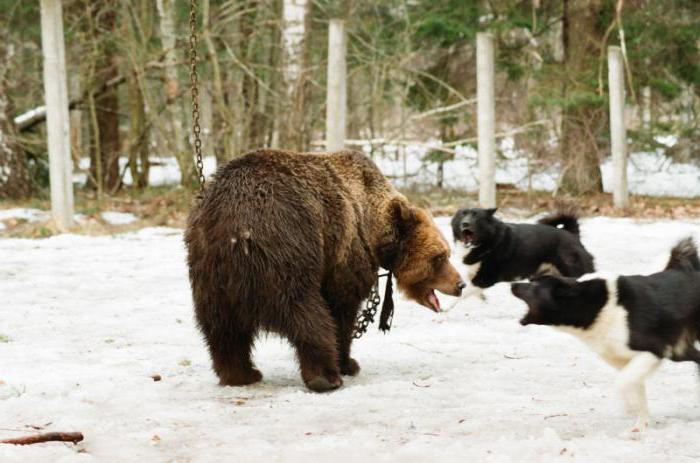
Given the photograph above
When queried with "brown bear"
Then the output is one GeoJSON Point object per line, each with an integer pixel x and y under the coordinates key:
{"type": "Point", "coordinates": [291, 243]}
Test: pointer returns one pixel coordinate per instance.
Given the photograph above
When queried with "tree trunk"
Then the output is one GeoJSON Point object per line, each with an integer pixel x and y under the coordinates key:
{"type": "Point", "coordinates": [176, 135]}
{"type": "Point", "coordinates": [106, 141]}
{"type": "Point", "coordinates": [293, 128]}
{"type": "Point", "coordinates": [224, 121]}
{"type": "Point", "coordinates": [584, 119]}
{"type": "Point", "coordinates": [14, 177]}
{"type": "Point", "coordinates": [251, 93]}
{"type": "Point", "coordinates": [76, 122]}
{"type": "Point", "coordinates": [139, 135]}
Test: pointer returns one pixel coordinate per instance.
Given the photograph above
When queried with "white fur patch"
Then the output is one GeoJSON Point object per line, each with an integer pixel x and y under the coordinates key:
{"type": "Point", "coordinates": [600, 276]}
{"type": "Point", "coordinates": [630, 384]}
{"type": "Point", "coordinates": [472, 270]}
{"type": "Point", "coordinates": [608, 336]}
{"type": "Point", "coordinates": [462, 251]}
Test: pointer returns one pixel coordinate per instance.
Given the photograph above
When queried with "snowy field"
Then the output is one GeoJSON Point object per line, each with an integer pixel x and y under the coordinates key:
{"type": "Point", "coordinates": [649, 173]}
{"type": "Point", "coordinates": [86, 321]}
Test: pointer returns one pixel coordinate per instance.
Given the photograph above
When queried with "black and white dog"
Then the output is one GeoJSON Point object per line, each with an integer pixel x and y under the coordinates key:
{"type": "Point", "coordinates": [496, 251]}
{"type": "Point", "coordinates": [632, 322]}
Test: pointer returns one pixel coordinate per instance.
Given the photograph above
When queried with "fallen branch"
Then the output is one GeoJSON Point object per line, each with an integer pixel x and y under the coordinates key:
{"type": "Point", "coordinates": [444, 147]}
{"type": "Point", "coordinates": [517, 130]}
{"type": "Point", "coordinates": [33, 117]}
{"type": "Point", "coordinates": [443, 109]}
{"type": "Point", "coordinates": [74, 437]}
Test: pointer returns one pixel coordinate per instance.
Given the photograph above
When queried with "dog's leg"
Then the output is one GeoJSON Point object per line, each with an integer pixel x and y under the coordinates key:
{"type": "Point", "coordinates": [630, 384]}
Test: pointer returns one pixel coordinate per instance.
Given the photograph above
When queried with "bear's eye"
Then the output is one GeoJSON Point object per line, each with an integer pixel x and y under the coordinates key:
{"type": "Point", "coordinates": [439, 260]}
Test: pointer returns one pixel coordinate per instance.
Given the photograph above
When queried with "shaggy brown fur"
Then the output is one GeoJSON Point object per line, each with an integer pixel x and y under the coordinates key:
{"type": "Point", "coordinates": [291, 243]}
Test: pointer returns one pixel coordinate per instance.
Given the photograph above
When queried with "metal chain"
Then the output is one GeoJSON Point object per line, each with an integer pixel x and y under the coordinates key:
{"type": "Point", "coordinates": [194, 90]}
{"type": "Point", "coordinates": [367, 315]}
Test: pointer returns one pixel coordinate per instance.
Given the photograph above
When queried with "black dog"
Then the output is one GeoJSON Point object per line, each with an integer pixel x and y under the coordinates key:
{"type": "Point", "coordinates": [498, 251]}
{"type": "Point", "coordinates": [632, 322]}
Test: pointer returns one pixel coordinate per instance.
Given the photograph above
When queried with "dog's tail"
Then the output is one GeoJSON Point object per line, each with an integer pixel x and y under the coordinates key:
{"type": "Point", "coordinates": [566, 219]}
{"type": "Point", "coordinates": [684, 256]}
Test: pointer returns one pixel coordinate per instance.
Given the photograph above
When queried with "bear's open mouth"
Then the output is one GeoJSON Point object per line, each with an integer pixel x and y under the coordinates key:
{"type": "Point", "coordinates": [433, 301]}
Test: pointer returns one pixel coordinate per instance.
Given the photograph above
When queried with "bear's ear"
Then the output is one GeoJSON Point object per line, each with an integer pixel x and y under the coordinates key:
{"type": "Point", "coordinates": [491, 211]}
{"type": "Point", "coordinates": [388, 254]}
{"type": "Point", "coordinates": [403, 216]}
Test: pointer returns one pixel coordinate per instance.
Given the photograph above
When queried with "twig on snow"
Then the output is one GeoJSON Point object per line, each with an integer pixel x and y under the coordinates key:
{"type": "Point", "coordinates": [74, 437]}
{"type": "Point", "coordinates": [420, 385]}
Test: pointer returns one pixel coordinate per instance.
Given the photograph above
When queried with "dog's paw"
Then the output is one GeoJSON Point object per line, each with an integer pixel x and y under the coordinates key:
{"type": "Point", "coordinates": [640, 426]}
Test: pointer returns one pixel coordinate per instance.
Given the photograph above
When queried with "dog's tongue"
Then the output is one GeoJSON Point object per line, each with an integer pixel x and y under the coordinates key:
{"type": "Point", "coordinates": [434, 301]}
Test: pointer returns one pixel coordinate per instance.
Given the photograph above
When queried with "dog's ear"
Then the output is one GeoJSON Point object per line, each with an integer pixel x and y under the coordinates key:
{"type": "Point", "coordinates": [564, 288]}
{"type": "Point", "coordinates": [491, 211]}
{"type": "Point", "coordinates": [556, 286]}
{"type": "Point", "coordinates": [404, 217]}
{"type": "Point", "coordinates": [538, 277]}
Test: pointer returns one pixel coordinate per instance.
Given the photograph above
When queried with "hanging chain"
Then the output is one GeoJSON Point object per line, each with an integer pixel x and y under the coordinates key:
{"type": "Point", "coordinates": [194, 90]}
{"type": "Point", "coordinates": [367, 315]}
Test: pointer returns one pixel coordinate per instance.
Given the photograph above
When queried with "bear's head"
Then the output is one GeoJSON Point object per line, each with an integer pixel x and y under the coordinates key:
{"type": "Point", "coordinates": [418, 255]}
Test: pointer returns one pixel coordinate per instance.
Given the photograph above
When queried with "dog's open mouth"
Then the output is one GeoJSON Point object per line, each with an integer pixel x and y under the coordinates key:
{"type": "Point", "coordinates": [433, 301]}
{"type": "Point", "coordinates": [468, 237]}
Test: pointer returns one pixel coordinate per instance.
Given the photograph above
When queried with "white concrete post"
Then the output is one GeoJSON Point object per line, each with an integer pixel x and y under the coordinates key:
{"type": "Point", "coordinates": [336, 93]}
{"type": "Point", "coordinates": [618, 133]}
{"type": "Point", "coordinates": [486, 118]}
{"type": "Point", "coordinates": [57, 118]}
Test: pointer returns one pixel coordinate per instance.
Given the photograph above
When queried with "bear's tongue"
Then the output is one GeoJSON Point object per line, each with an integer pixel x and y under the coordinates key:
{"type": "Point", "coordinates": [434, 301]}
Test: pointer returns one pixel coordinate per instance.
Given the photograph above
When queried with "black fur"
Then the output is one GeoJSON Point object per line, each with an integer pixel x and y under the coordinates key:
{"type": "Point", "coordinates": [663, 309]}
{"type": "Point", "coordinates": [562, 301]}
{"type": "Point", "coordinates": [509, 251]}
{"type": "Point", "coordinates": [684, 256]}
{"type": "Point", "coordinates": [564, 220]}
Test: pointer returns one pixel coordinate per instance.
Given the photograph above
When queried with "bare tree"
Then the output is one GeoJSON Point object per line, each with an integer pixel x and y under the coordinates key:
{"type": "Point", "coordinates": [139, 32]}
{"type": "Point", "coordinates": [224, 120]}
{"type": "Point", "coordinates": [14, 178]}
{"type": "Point", "coordinates": [175, 138]}
{"type": "Point", "coordinates": [293, 130]}
{"type": "Point", "coordinates": [584, 119]}
{"type": "Point", "coordinates": [105, 146]}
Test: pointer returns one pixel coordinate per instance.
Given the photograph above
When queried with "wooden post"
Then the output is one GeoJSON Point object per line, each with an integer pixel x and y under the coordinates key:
{"type": "Point", "coordinates": [336, 96]}
{"type": "Point", "coordinates": [618, 133]}
{"type": "Point", "coordinates": [58, 128]}
{"type": "Point", "coordinates": [486, 117]}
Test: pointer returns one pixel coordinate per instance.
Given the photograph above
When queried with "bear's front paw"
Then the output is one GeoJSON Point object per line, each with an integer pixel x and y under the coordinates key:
{"type": "Point", "coordinates": [240, 378]}
{"type": "Point", "coordinates": [349, 367]}
{"type": "Point", "coordinates": [325, 383]}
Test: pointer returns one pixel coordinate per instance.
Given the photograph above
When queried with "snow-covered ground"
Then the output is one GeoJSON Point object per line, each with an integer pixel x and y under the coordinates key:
{"type": "Point", "coordinates": [38, 215]}
{"type": "Point", "coordinates": [118, 218]}
{"type": "Point", "coordinates": [86, 321]}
